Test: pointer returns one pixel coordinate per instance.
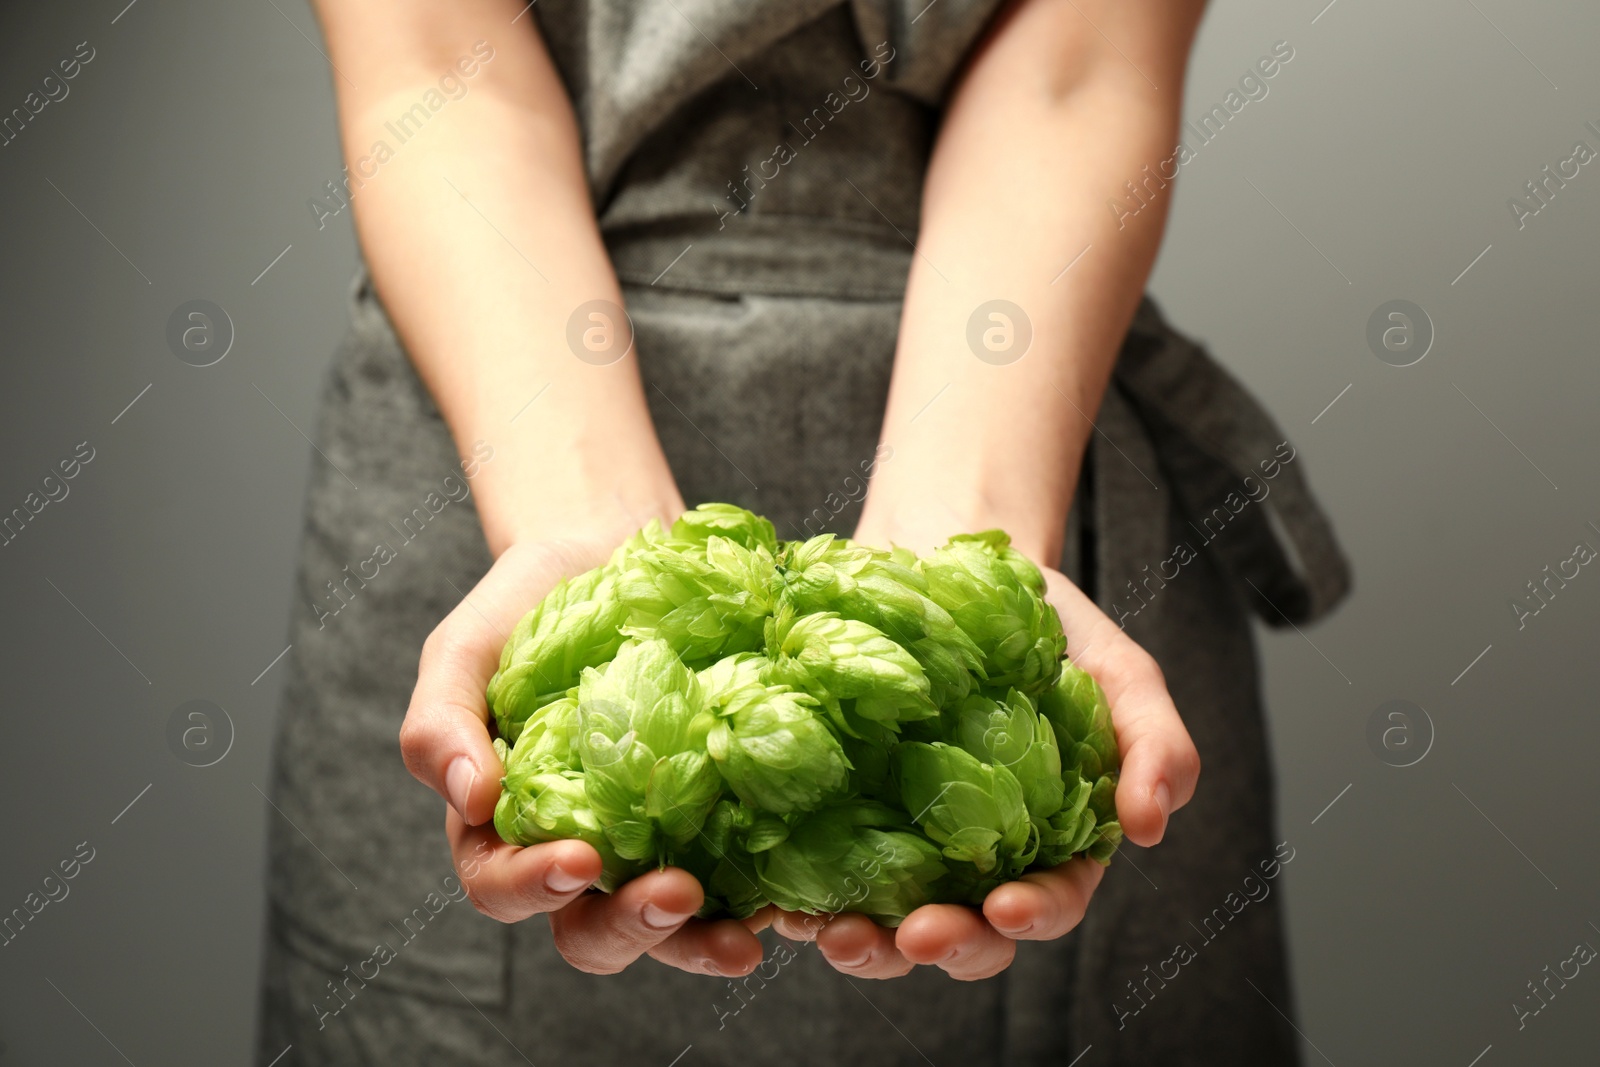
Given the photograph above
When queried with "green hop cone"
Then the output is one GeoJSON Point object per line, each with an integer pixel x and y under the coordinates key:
{"type": "Point", "coordinates": [641, 738]}
{"type": "Point", "coordinates": [706, 599]}
{"type": "Point", "coordinates": [974, 810]}
{"type": "Point", "coordinates": [996, 596]}
{"type": "Point", "coordinates": [818, 724]}
{"type": "Point", "coordinates": [1077, 707]}
{"type": "Point", "coordinates": [541, 801]}
{"type": "Point", "coordinates": [730, 674]}
{"type": "Point", "coordinates": [1077, 710]}
{"type": "Point", "coordinates": [722, 858]}
{"type": "Point", "coordinates": [837, 659]}
{"type": "Point", "coordinates": [1013, 735]}
{"type": "Point", "coordinates": [774, 751]}
{"type": "Point", "coordinates": [742, 527]}
{"type": "Point", "coordinates": [548, 738]}
{"type": "Point", "coordinates": [575, 626]}
{"type": "Point", "coordinates": [856, 856]}
{"type": "Point", "coordinates": [886, 591]}
{"type": "Point", "coordinates": [871, 774]}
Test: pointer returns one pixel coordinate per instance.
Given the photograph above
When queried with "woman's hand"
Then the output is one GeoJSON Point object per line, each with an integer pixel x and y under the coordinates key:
{"type": "Point", "coordinates": [1159, 770]}
{"type": "Point", "coordinates": [445, 742]}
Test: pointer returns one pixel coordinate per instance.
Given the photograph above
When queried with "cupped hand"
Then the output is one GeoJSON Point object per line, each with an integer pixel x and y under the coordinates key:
{"type": "Point", "coordinates": [1160, 767]}
{"type": "Point", "coordinates": [446, 745]}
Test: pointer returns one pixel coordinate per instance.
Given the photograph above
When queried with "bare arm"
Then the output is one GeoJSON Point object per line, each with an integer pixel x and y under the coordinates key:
{"type": "Point", "coordinates": [482, 242]}
{"type": "Point", "coordinates": [1063, 103]}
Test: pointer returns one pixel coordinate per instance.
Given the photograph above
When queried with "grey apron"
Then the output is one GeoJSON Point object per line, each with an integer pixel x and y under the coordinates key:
{"type": "Point", "coordinates": [765, 322]}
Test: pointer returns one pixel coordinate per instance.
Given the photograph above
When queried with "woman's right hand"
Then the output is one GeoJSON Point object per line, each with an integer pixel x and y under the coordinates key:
{"type": "Point", "coordinates": [446, 745]}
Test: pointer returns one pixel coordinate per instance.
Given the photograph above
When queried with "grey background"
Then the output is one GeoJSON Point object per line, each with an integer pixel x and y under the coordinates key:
{"type": "Point", "coordinates": [1421, 901]}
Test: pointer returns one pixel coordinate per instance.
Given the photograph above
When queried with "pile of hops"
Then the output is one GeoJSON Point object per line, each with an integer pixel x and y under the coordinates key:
{"type": "Point", "coordinates": [817, 724]}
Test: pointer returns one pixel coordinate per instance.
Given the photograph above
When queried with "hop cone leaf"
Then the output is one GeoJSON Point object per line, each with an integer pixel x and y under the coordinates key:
{"type": "Point", "coordinates": [773, 750]}
{"type": "Point", "coordinates": [1077, 710]}
{"type": "Point", "coordinates": [997, 597]}
{"type": "Point", "coordinates": [1013, 735]}
{"type": "Point", "coordinates": [542, 802]}
{"type": "Point", "coordinates": [742, 527]}
{"type": "Point", "coordinates": [837, 659]}
{"type": "Point", "coordinates": [576, 626]}
{"type": "Point", "coordinates": [856, 856]}
{"type": "Point", "coordinates": [705, 599]}
{"type": "Point", "coordinates": [641, 738]}
{"type": "Point", "coordinates": [974, 810]}
{"type": "Point", "coordinates": [889, 594]}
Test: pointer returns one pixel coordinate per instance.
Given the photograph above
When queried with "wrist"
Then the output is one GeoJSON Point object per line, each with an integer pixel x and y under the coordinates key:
{"type": "Point", "coordinates": [537, 498]}
{"type": "Point", "coordinates": [922, 516]}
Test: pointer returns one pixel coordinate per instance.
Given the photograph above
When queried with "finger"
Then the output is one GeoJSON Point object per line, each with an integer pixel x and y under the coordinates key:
{"type": "Point", "coordinates": [723, 947]}
{"type": "Point", "coordinates": [602, 933]}
{"type": "Point", "coordinates": [510, 883]}
{"type": "Point", "coordinates": [1160, 766]}
{"type": "Point", "coordinates": [856, 945]}
{"type": "Point", "coordinates": [761, 919]}
{"type": "Point", "coordinates": [445, 737]}
{"type": "Point", "coordinates": [956, 939]}
{"type": "Point", "coordinates": [797, 925]}
{"type": "Point", "coordinates": [1043, 905]}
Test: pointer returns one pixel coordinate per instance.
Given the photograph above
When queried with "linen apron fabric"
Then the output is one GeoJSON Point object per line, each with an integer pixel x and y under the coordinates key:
{"type": "Point", "coordinates": [766, 349]}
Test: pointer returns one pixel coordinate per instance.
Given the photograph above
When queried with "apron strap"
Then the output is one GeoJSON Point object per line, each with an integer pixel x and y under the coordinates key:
{"type": "Point", "coordinates": [1235, 479]}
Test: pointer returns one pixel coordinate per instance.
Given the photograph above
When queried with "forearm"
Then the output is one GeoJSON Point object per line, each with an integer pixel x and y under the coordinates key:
{"type": "Point", "coordinates": [1046, 125]}
{"type": "Point", "coordinates": [481, 240]}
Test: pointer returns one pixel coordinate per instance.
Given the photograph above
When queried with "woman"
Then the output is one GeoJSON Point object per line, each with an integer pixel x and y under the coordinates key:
{"type": "Point", "coordinates": [748, 179]}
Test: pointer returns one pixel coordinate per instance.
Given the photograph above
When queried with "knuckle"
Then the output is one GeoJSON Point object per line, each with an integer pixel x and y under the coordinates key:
{"type": "Point", "coordinates": [414, 744]}
{"type": "Point", "coordinates": [581, 953]}
{"type": "Point", "coordinates": [447, 644]}
{"type": "Point", "coordinates": [1149, 671]}
{"type": "Point", "coordinates": [432, 645]}
{"type": "Point", "coordinates": [1070, 911]}
{"type": "Point", "coordinates": [483, 901]}
{"type": "Point", "coordinates": [1189, 764]}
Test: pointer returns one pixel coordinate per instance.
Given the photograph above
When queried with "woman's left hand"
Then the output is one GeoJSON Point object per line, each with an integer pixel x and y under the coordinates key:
{"type": "Point", "coordinates": [1159, 770]}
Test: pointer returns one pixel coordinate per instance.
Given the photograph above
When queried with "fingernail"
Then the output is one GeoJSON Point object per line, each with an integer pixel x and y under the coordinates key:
{"type": "Point", "coordinates": [560, 880]}
{"type": "Point", "coordinates": [458, 782]}
{"type": "Point", "coordinates": [658, 918]}
{"type": "Point", "coordinates": [854, 961]}
{"type": "Point", "coordinates": [1163, 798]}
